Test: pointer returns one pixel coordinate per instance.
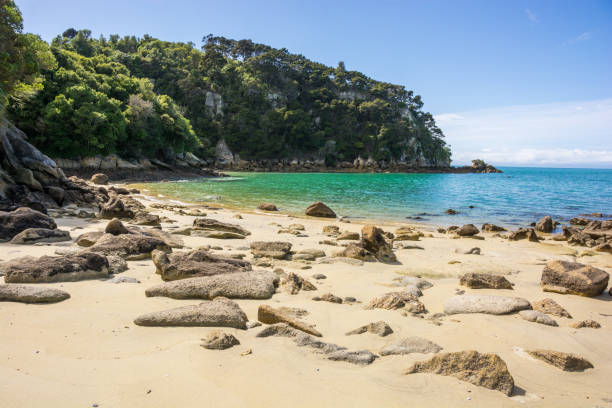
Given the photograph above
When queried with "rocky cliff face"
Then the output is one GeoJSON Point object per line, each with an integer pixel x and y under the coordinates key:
{"type": "Point", "coordinates": [28, 178]}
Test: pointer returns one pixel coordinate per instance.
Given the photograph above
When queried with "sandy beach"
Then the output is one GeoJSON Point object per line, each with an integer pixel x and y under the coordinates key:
{"type": "Point", "coordinates": [86, 351]}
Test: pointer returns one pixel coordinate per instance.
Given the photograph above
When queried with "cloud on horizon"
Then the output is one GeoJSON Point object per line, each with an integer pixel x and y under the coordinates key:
{"type": "Point", "coordinates": [571, 134]}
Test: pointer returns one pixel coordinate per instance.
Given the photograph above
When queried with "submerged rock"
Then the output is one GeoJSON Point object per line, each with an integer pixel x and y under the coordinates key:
{"type": "Point", "coordinates": [563, 361]}
{"type": "Point", "coordinates": [545, 224]}
{"type": "Point", "coordinates": [573, 278]}
{"type": "Point", "coordinates": [484, 281]}
{"type": "Point", "coordinates": [31, 294]}
{"type": "Point", "coordinates": [67, 268]}
{"type": "Point", "coordinates": [269, 315]}
{"type": "Point", "coordinates": [267, 207]}
{"type": "Point", "coordinates": [36, 235]}
{"type": "Point", "coordinates": [199, 262]}
{"type": "Point", "coordinates": [220, 312]}
{"type": "Point", "coordinates": [318, 209]}
{"type": "Point", "coordinates": [496, 305]}
{"type": "Point", "coordinates": [410, 345]}
{"type": "Point", "coordinates": [485, 370]}
{"type": "Point", "coordinates": [239, 285]}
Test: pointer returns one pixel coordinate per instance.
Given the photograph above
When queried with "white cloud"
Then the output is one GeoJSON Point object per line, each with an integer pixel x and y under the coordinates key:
{"type": "Point", "coordinates": [582, 37]}
{"type": "Point", "coordinates": [558, 134]}
{"type": "Point", "coordinates": [532, 16]}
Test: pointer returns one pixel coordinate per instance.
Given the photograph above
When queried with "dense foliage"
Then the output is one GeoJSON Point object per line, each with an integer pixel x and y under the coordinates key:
{"type": "Point", "coordinates": [146, 97]}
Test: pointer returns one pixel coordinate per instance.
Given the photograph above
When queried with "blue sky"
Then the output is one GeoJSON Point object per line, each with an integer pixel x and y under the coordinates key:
{"type": "Point", "coordinates": [514, 82]}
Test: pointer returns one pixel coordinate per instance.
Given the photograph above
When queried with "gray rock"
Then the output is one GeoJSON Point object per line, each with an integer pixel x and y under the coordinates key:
{"type": "Point", "coordinates": [269, 315]}
{"type": "Point", "coordinates": [196, 263]}
{"type": "Point", "coordinates": [240, 285]}
{"type": "Point", "coordinates": [115, 227]}
{"type": "Point", "coordinates": [413, 290]}
{"type": "Point", "coordinates": [219, 341]}
{"type": "Point", "coordinates": [328, 297]}
{"type": "Point", "coordinates": [413, 280]}
{"type": "Point", "coordinates": [275, 249]}
{"type": "Point", "coordinates": [467, 230]}
{"type": "Point", "coordinates": [123, 279]}
{"type": "Point", "coordinates": [89, 238]}
{"type": "Point", "coordinates": [319, 276]}
{"type": "Point", "coordinates": [77, 267]}
{"type": "Point", "coordinates": [471, 251]}
{"type": "Point", "coordinates": [128, 246]}
{"type": "Point", "coordinates": [12, 223]}
{"type": "Point", "coordinates": [380, 328]}
{"type": "Point", "coordinates": [220, 312]}
{"type": "Point", "coordinates": [208, 224]}
{"type": "Point", "coordinates": [278, 329]}
{"type": "Point", "coordinates": [496, 305]}
{"type": "Point", "coordinates": [116, 264]}
{"type": "Point", "coordinates": [410, 345]}
{"type": "Point", "coordinates": [361, 357]}
{"type": "Point", "coordinates": [36, 235]}
{"type": "Point", "coordinates": [251, 324]}
{"type": "Point", "coordinates": [537, 317]}
{"type": "Point", "coordinates": [31, 294]}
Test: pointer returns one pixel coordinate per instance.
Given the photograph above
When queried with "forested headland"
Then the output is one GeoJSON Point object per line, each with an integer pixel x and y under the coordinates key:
{"type": "Point", "coordinates": [138, 97]}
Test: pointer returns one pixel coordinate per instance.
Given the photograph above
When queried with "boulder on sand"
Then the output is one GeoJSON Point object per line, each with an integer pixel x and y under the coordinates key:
{"type": "Point", "coordinates": [485, 370]}
{"type": "Point", "coordinates": [217, 340]}
{"type": "Point", "coordinates": [410, 345]}
{"type": "Point", "coordinates": [545, 224]}
{"type": "Point", "coordinates": [294, 283]}
{"type": "Point", "coordinates": [373, 240]}
{"type": "Point", "coordinates": [129, 246]}
{"type": "Point", "coordinates": [35, 235]}
{"type": "Point", "coordinates": [31, 294]}
{"type": "Point", "coordinates": [537, 317]}
{"type": "Point", "coordinates": [208, 224]}
{"type": "Point", "coordinates": [573, 278]}
{"type": "Point", "coordinates": [492, 228]}
{"type": "Point", "coordinates": [220, 312]}
{"type": "Point", "coordinates": [67, 268]}
{"type": "Point", "coordinates": [467, 230]}
{"type": "Point", "coordinates": [380, 328]}
{"type": "Point", "coordinates": [318, 209]}
{"type": "Point", "coordinates": [496, 305]}
{"type": "Point", "coordinates": [195, 263]}
{"type": "Point", "coordinates": [563, 361]}
{"type": "Point", "coordinates": [484, 281]}
{"type": "Point", "coordinates": [550, 307]}
{"type": "Point", "coordinates": [274, 249]}
{"type": "Point", "coordinates": [239, 285]}
{"type": "Point", "coordinates": [397, 300]}
{"type": "Point", "coordinates": [524, 233]}
{"type": "Point", "coordinates": [13, 222]}
{"type": "Point", "coordinates": [269, 315]}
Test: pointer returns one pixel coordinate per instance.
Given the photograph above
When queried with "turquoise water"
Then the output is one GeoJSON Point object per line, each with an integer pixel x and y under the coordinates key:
{"type": "Point", "coordinates": [518, 196]}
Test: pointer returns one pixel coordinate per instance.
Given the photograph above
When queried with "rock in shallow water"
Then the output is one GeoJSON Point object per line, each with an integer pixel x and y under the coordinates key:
{"type": "Point", "coordinates": [220, 312]}
{"type": "Point", "coordinates": [239, 285]}
{"type": "Point", "coordinates": [496, 305]}
{"type": "Point", "coordinates": [318, 209]}
{"type": "Point", "coordinates": [485, 370]}
{"type": "Point", "coordinates": [31, 294]}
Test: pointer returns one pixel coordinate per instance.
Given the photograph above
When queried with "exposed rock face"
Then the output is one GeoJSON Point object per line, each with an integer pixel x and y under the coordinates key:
{"type": "Point", "coordinates": [592, 324]}
{"type": "Point", "coordinates": [373, 240]}
{"type": "Point", "coordinates": [545, 224]}
{"type": "Point", "coordinates": [209, 225]}
{"type": "Point", "coordinates": [267, 207]}
{"type": "Point", "coordinates": [55, 268]}
{"type": "Point", "coordinates": [537, 317]}
{"type": "Point", "coordinates": [31, 294]}
{"type": "Point", "coordinates": [115, 227]}
{"type": "Point", "coordinates": [563, 361]}
{"type": "Point", "coordinates": [269, 315]}
{"type": "Point", "coordinates": [492, 228]}
{"type": "Point", "coordinates": [319, 209]}
{"type": "Point", "coordinates": [550, 307]}
{"type": "Point", "coordinates": [467, 230]}
{"type": "Point", "coordinates": [196, 263]}
{"type": "Point", "coordinates": [496, 305]}
{"type": "Point", "coordinates": [410, 345]}
{"type": "Point", "coordinates": [293, 283]}
{"type": "Point", "coordinates": [380, 328]}
{"type": "Point", "coordinates": [573, 278]}
{"type": "Point", "coordinates": [14, 222]}
{"type": "Point", "coordinates": [397, 300]}
{"type": "Point", "coordinates": [129, 246]}
{"type": "Point", "coordinates": [484, 281]}
{"type": "Point", "coordinates": [219, 341]}
{"type": "Point", "coordinates": [35, 235]}
{"type": "Point", "coordinates": [239, 285]}
{"type": "Point", "coordinates": [524, 233]}
{"type": "Point", "coordinates": [485, 370]}
{"type": "Point", "coordinates": [99, 178]}
{"type": "Point", "coordinates": [275, 249]}
{"type": "Point", "coordinates": [115, 208]}
{"type": "Point", "coordinates": [220, 312]}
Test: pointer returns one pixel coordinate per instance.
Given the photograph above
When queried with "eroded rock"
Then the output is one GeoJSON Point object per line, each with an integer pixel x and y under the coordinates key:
{"type": "Point", "coordinates": [217, 340]}
{"type": "Point", "coordinates": [573, 278]}
{"type": "Point", "coordinates": [496, 305]}
{"type": "Point", "coordinates": [379, 328]}
{"type": "Point", "coordinates": [561, 360]}
{"type": "Point", "coordinates": [484, 281]}
{"type": "Point", "coordinates": [67, 268]}
{"type": "Point", "coordinates": [550, 307]}
{"type": "Point", "coordinates": [269, 315]}
{"type": "Point", "coordinates": [199, 262]}
{"type": "Point", "coordinates": [31, 294]}
{"type": "Point", "coordinates": [14, 222]}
